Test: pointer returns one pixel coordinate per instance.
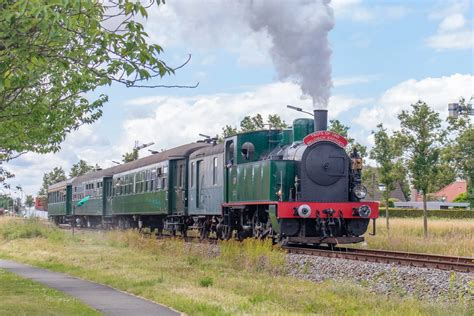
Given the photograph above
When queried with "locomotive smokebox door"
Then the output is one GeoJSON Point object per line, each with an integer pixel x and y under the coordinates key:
{"type": "Point", "coordinates": [324, 173]}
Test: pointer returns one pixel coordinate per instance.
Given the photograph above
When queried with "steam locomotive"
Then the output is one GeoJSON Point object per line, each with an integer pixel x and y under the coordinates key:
{"type": "Point", "coordinates": [293, 185]}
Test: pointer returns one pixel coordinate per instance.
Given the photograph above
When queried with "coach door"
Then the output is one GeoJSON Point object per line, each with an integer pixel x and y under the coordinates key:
{"type": "Point", "coordinates": [198, 184]}
{"type": "Point", "coordinates": [178, 185]}
{"type": "Point", "coordinates": [107, 196]}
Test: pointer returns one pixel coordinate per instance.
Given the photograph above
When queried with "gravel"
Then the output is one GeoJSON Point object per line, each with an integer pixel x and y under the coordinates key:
{"type": "Point", "coordinates": [422, 283]}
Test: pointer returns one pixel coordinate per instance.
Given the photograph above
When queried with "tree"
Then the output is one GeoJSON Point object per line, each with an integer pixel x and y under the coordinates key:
{"type": "Point", "coordinates": [52, 53]}
{"type": "Point", "coordinates": [387, 155]}
{"type": "Point", "coordinates": [337, 127]}
{"type": "Point", "coordinates": [421, 138]}
{"type": "Point", "coordinates": [229, 131]}
{"type": "Point", "coordinates": [29, 201]}
{"type": "Point", "coordinates": [276, 122]}
{"type": "Point", "coordinates": [54, 176]}
{"type": "Point", "coordinates": [80, 168]}
{"type": "Point", "coordinates": [252, 123]}
{"type": "Point", "coordinates": [460, 150]}
{"type": "Point", "coordinates": [131, 156]}
{"type": "Point", "coordinates": [18, 204]}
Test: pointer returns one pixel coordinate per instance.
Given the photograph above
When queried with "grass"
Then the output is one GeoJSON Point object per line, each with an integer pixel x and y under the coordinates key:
{"type": "Point", "coordinates": [241, 278]}
{"type": "Point", "coordinates": [445, 236]}
{"type": "Point", "coordinates": [20, 296]}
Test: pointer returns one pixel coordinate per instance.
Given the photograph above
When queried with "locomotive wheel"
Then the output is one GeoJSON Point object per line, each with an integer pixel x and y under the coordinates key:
{"type": "Point", "coordinates": [257, 226]}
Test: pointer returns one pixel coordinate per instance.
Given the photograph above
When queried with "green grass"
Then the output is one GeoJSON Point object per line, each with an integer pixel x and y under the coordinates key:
{"type": "Point", "coordinates": [242, 278]}
{"type": "Point", "coordinates": [20, 296]}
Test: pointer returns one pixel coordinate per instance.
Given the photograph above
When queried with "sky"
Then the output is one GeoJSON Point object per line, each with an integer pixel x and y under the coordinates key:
{"type": "Point", "coordinates": [383, 56]}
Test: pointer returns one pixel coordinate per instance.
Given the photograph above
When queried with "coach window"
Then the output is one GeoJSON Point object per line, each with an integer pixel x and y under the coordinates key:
{"type": "Point", "coordinates": [180, 174]}
{"type": "Point", "coordinates": [214, 171]}
{"type": "Point", "coordinates": [229, 153]}
{"type": "Point", "coordinates": [193, 168]}
{"type": "Point", "coordinates": [248, 149]}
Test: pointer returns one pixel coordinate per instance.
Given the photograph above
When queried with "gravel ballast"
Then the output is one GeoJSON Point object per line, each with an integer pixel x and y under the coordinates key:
{"type": "Point", "coordinates": [422, 283]}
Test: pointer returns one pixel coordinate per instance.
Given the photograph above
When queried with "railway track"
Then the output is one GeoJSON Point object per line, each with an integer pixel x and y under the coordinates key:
{"type": "Point", "coordinates": [450, 263]}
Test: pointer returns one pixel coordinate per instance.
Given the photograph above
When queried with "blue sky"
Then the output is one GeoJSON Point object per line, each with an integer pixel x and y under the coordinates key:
{"type": "Point", "coordinates": [385, 55]}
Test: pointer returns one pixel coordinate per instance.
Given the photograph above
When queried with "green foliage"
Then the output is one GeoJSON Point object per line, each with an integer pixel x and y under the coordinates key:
{"type": "Point", "coordinates": [29, 201]}
{"type": "Point", "coordinates": [131, 156]}
{"type": "Point", "coordinates": [421, 138]}
{"type": "Point", "coordinates": [387, 155]}
{"type": "Point", "coordinates": [206, 281]}
{"type": "Point", "coordinates": [54, 176]}
{"type": "Point", "coordinates": [337, 127]}
{"type": "Point", "coordinates": [52, 53]}
{"type": "Point", "coordinates": [276, 122]}
{"type": "Point", "coordinates": [461, 197]}
{"type": "Point", "coordinates": [29, 228]}
{"type": "Point", "coordinates": [253, 123]}
{"type": "Point", "coordinates": [454, 214]}
{"type": "Point", "coordinates": [80, 168]}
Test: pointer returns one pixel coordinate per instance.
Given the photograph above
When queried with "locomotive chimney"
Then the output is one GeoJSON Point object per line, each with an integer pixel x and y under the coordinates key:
{"type": "Point", "coordinates": [320, 120]}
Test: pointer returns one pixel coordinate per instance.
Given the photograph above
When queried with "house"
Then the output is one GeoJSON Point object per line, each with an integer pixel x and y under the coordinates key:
{"type": "Point", "coordinates": [446, 194]}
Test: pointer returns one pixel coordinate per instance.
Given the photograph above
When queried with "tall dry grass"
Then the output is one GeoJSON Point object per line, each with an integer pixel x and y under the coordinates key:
{"type": "Point", "coordinates": [445, 236]}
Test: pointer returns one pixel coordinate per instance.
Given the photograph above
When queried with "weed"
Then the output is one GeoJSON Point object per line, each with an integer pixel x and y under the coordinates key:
{"type": "Point", "coordinates": [206, 282]}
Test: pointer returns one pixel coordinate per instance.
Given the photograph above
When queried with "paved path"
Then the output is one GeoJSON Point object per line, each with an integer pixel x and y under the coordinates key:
{"type": "Point", "coordinates": [103, 298]}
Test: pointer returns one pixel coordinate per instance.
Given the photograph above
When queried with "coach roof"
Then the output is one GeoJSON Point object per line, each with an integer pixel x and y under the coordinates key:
{"type": "Point", "coordinates": [175, 153]}
{"type": "Point", "coordinates": [208, 151]}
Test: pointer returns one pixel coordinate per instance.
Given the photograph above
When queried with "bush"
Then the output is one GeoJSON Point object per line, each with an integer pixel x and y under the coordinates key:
{"type": "Point", "coordinates": [461, 198]}
{"type": "Point", "coordinates": [403, 212]}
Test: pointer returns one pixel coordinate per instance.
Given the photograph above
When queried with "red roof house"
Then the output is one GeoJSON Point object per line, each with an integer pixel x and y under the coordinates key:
{"type": "Point", "coordinates": [446, 194]}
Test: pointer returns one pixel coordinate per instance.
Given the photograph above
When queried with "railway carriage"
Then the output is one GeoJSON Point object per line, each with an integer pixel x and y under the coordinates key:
{"type": "Point", "coordinates": [60, 201]}
{"type": "Point", "coordinates": [294, 185]}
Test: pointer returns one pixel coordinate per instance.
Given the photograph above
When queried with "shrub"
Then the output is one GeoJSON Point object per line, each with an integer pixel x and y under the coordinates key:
{"type": "Point", "coordinates": [206, 282]}
{"type": "Point", "coordinates": [461, 198]}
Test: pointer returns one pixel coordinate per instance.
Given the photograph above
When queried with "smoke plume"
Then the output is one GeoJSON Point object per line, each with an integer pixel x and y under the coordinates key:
{"type": "Point", "coordinates": [300, 48]}
{"type": "Point", "coordinates": [297, 29]}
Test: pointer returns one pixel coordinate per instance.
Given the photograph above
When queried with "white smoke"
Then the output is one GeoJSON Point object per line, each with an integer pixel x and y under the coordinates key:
{"type": "Point", "coordinates": [297, 31]}
{"type": "Point", "coordinates": [300, 46]}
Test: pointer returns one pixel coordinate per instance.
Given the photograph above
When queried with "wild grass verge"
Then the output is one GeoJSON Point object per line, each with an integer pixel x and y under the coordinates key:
{"type": "Point", "coordinates": [445, 236]}
{"type": "Point", "coordinates": [199, 279]}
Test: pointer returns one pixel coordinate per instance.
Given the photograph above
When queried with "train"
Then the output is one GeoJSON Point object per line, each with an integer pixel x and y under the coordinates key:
{"type": "Point", "coordinates": [297, 185]}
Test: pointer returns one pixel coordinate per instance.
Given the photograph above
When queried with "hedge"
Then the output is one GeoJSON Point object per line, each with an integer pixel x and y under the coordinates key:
{"type": "Point", "coordinates": [403, 212]}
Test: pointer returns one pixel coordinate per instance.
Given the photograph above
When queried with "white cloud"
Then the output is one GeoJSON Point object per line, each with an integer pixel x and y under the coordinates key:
{"type": "Point", "coordinates": [436, 92]}
{"type": "Point", "coordinates": [454, 30]}
{"type": "Point", "coordinates": [452, 22]}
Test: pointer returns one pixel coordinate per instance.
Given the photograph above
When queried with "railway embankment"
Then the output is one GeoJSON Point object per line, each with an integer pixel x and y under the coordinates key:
{"type": "Point", "coordinates": [232, 278]}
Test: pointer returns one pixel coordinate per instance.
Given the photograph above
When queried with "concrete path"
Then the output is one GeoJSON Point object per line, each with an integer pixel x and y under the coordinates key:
{"type": "Point", "coordinates": [103, 298]}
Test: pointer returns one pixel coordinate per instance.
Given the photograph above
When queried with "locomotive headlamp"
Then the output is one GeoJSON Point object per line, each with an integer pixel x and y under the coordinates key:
{"type": "Point", "coordinates": [360, 191]}
{"type": "Point", "coordinates": [304, 211]}
{"type": "Point", "coordinates": [364, 211]}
